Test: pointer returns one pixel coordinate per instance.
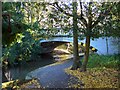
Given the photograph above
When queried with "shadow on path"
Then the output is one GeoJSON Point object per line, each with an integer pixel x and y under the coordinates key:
{"type": "Point", "coordinates": [53, 76]}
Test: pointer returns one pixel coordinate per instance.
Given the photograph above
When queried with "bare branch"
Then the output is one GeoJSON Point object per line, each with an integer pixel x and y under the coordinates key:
{"type": "Point", "coordinates": [60, 9]}
{"type": "Point", "coordinates": [55, 4]}
{"type": "Point", "coordinates": [83, 20]}
{"type": "Point", "coordinates": [81, 9]}
{"type": "Point", "coordinates": [82, 23]}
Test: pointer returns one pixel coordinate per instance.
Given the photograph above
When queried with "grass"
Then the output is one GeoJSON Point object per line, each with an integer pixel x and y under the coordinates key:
{"type": "Point", "coordinates": [108, 61]}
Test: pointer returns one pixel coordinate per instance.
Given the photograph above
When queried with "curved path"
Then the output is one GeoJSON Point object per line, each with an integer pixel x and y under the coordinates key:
{"type": "Point", "coordinates": [53, 76]}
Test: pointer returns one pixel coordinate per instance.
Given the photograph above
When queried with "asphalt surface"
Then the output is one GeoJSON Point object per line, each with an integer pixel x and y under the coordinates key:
{"type": "Point", "coordinates": [53, 76]}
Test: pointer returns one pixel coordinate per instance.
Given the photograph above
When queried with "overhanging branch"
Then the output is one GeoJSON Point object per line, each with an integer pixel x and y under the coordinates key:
{"type": "Point", "coordinates": [83, 20]}
{"type": "Point", "coordinates": [60, 9]}
{"type": "Point", "coordinates": [80, 17]}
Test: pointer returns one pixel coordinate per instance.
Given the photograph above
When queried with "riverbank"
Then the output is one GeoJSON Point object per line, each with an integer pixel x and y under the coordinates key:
{"type": "Point", "coordinates": [21, 84]}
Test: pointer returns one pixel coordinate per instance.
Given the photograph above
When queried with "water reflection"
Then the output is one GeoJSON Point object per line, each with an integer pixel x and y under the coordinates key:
{"type": "Point", "coordinates": [19, 72]}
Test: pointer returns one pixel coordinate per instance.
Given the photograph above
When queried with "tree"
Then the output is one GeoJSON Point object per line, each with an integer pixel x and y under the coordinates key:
{"type": "Point", "coordinates": [92, 21]}
{"type": "Point", "coordinates": [66, 15]}
{"type": "Point", "coordinates": [21, 31]}
{"type": "Point", "coordinates": [91, 16]}
{"type": "Point", "coordinates": [88, 18]}
{"type": "Point", "coordinates": [77, 63]}
{"type": "Point", "coordinates": [11, 22]}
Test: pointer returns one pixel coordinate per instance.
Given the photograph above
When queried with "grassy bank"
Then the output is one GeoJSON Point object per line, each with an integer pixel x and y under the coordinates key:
{"type": "Point", "coordinates": [107, 61]}
{"type": "Point", "coordinates": [102, 72]}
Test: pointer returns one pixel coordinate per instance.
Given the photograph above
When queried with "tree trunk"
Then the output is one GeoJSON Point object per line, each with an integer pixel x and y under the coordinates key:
{"type": "Point", "coordinates": [107, 44]}
{"type": "Point", "coordinates": [83, 68]}
{"type": "Point", "coordinates": [88, 34]}
{"type": "Point", "coordinates": [77, 62]}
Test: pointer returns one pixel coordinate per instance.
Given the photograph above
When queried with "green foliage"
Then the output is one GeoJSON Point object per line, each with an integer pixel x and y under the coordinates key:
{"type": "Point", "coordinates": [25, 48]}
{"type": "Point", "coordinates": [12, 11]}
{"type": "Point", "coordinates": [107, 61]}
{"type": "Point", "coordinates": [36, 50]}
{"type": "Point", "coordinates": [22, 43]}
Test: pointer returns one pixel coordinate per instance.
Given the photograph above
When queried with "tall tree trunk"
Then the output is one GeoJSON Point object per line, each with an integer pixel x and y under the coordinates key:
{"type": "Point", "coordinates": [83, 68]}
{"type": "Point", "coordinates": [88, 34]}
{"type": "Point", "coordinates": [77, 62]}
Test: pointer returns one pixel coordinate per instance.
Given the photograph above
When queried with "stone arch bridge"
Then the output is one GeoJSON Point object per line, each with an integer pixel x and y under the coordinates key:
{"type": "Point", "coordinates": [49, 45]}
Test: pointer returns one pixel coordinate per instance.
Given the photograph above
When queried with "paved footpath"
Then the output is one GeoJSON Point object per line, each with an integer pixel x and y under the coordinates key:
{"type": "Point", "coordinates": [52, 76]}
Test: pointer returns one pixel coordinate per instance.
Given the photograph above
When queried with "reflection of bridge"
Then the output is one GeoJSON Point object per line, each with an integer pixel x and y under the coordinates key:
{"type": "Point", "coordinates": [50, 45]}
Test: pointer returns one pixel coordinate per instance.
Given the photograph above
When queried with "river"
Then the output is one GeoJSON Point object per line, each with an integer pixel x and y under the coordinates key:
{"type": "Point", "coordinates": [19, 72]}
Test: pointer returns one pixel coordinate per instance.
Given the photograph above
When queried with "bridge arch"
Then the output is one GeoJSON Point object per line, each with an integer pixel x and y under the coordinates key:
{"type": "Point", "coordinates": [49, 45]}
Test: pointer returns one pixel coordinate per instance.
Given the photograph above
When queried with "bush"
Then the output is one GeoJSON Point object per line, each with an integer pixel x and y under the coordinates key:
{"type": "Point", "coordinates": [24, 49]}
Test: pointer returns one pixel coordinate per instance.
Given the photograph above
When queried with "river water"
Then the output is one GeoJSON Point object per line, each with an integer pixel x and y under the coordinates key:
{"type": "Point", "coordinates": [19, 72]}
